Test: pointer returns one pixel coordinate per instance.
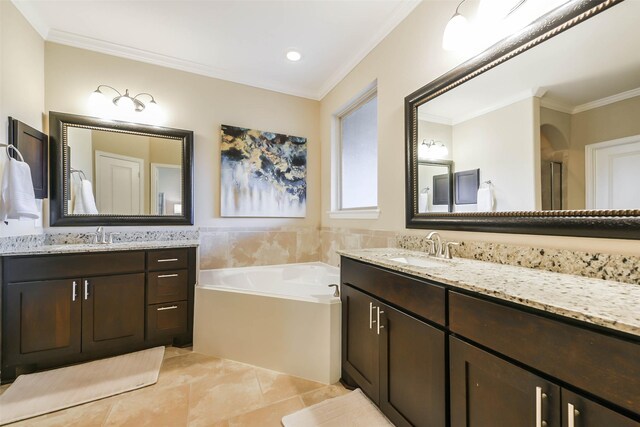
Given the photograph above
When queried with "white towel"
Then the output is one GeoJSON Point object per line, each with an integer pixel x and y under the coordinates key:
{"type": "Point", "coordinates": [423, 203]}
{"type": "Point", "coordinates": [486, 200]}
{"type": "Point", "coordinates": [17, 199]}
{"type": "Point", "coordinates": [84, 202]}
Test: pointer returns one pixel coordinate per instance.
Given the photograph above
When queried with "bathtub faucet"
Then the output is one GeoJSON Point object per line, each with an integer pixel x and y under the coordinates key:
{"type": "Point", "coordinates": [337, 291]}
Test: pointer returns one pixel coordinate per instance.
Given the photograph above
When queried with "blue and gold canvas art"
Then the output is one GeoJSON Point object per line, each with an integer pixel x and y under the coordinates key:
{"type": "Point", "coordinates": [263, 174]}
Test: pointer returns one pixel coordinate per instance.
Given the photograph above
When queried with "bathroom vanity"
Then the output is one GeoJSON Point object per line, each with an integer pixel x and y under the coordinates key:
{"type": "Point", "coordinates": [72, 303]}
{"type": "Point", "coordinates": [469, 343]}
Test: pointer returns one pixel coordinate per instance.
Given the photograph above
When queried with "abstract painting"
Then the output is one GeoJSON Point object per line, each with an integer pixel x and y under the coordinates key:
{"type": "Point", "coordinates": [263, 174]}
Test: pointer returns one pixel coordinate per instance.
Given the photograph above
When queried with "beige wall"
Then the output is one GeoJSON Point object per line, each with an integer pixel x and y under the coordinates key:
{"type": "Point", "coordinates": [21, 88]}
{"type": "Point", "coordinates": [197, 103]}
{"type": "Point", "coordinates": [606, 123]}
{"type": "Point", "coordinates": [495, 143]}
{"type": "Point", "coordinates": [410, 57]}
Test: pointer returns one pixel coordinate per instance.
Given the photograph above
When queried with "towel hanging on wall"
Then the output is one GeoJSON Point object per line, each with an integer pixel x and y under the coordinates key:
{"type": "Point", "coordinates": [486, 198]}
{"type": "Point", "coordinates": [17, 198]}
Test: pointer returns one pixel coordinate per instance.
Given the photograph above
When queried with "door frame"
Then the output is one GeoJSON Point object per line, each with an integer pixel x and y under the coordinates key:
{"type": "Point", "coordinates": [153, 177]}
{"type": "Point", "coordinates": [99, 153]}
{"type": "Point", "coordinates": [590, 164]}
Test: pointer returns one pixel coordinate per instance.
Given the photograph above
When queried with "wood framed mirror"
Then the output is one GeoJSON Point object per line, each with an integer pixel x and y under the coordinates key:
{"type": "Point", "coordinates": [549, 117]}
{"type": "Point", "coordinates": [107, 172]}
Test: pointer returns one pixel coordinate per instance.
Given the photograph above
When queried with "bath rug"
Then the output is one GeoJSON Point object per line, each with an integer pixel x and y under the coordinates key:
{"type": "Point", "coordinates": [43, 392]}
{"type": "Point", "coordinates": [353, 409]}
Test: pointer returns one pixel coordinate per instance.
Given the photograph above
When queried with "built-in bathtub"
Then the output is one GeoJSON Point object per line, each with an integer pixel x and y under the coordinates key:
{"type": "Point", "coordinates": [281, 317]}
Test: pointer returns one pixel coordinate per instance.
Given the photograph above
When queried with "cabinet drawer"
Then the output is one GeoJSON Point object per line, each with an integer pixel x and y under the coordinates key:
{"type": "Point", "coordinates": [165, 286]}
{"type": "Point", "coordinates": [167, 259]}
{"type": "Point", "coordinates": [600, 364]}
{"type": "Point", "coordinates": [421, 298]}
{"type": "Point", "coordinates": [166, 320]}
{"type": "Point", "coordinates": [47, 267]}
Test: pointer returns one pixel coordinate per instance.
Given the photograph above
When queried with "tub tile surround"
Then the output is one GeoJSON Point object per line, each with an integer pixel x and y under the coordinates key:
{"type": "Point", "coordinates": [600, 302]}
{"type": "Point", "coordinates": [254, 246]}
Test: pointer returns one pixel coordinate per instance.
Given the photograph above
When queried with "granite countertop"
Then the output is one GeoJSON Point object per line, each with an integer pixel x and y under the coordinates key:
{"type": "Point", "coordinates": [605, 303]}
{"type": "Point", "coordinates": [110, 247]}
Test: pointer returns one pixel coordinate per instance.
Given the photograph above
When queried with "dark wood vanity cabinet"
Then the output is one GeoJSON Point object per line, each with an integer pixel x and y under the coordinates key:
{"type": "Point", "coordinates": [61, 309]}
{"type": "Point", "coordinates": [491, 364]}
{"type": "Point", "coordinates": [395, 358]}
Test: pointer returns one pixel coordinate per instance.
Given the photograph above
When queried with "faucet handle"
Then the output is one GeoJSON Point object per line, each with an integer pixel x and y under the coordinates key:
{"type": "Point", "coordinates": [447, 249]}
{"type": "Point", "coordinates": [111, 236]}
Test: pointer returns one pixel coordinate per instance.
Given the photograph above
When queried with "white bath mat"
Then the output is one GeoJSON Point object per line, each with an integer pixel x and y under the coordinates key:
{"type": "Point", "coordinates": [43, 392]}
{"type": "Point", "coordinates": [353, 409]}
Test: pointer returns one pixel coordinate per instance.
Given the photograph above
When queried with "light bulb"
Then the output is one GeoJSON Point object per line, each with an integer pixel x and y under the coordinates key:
{"type": "Point", "coordinates": [125, 104]}
{"type": "Point", "coordinates": [294, 56]}
{"type": "Point", "coordinates": [456, 33]}
{"type": "Point", "coordinates": [97, 102]}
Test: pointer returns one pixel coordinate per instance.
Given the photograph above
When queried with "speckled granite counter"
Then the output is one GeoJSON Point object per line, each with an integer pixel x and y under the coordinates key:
{"type": "Point", "coordinates": [112, 247]}
{"type": "Point", "coordinates": [605, 303]}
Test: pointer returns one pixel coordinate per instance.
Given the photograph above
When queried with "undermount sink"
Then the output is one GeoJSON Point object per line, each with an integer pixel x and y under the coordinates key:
{"type": "Point", "coordinates": [418, 261]}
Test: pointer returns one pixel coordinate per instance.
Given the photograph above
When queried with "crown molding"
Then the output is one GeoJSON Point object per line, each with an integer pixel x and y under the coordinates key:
{"type": "Point", "coordinates": [498, 105]}
{"type": "Point", "coordinates": [114, 49]}
{"type": "Point", "coordinates": [432, 118]}
{"type": "Point", "coordinates": [606, 101]}
{"type": "Point", "coordinates": [554, 104]}
{"type": "Point", "coordinates": [403, 10]}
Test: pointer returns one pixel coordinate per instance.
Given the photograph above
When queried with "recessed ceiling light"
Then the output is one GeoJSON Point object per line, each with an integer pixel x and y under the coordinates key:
{"type": "Point", "coordinates": [294, 55]}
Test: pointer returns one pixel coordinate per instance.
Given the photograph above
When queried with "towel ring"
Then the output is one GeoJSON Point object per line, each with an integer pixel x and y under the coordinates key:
{"type": "Point", "coordinates": [11, 146]}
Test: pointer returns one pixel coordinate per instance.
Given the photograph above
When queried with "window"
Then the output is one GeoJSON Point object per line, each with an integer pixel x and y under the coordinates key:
{"type": "Point", "coordinates": [355, 189]}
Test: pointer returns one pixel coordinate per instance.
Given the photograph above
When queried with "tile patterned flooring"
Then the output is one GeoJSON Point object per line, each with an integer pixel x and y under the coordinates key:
{"type": "Point", "coordinates": [198, 390]}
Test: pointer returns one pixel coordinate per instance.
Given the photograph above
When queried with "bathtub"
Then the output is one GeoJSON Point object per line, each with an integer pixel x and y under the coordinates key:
{"type": "Point", "coordinates": [280, 317]}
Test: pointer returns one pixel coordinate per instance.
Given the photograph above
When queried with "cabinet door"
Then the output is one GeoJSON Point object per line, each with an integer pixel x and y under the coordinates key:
{"type": "Point", "coordinates": [360, 358]}
{"type": "Point", "coordinates": [578, 411]}
{"type": "Point", "coordinates": [412, 371]}
{"type": "Point", "coordinates": [487, 391]}
{"type": "Point", "coordinates": [42, 320]}
{"type": "Point", "coordinates": [112, 312]}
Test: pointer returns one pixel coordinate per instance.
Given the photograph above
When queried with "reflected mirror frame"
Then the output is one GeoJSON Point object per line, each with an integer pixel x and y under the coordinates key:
{"type": "Point", "coordinates": [449, 165]}
{"type": "Point", "coordinates": [59, 170]}
{"type": "Point", "coordinates": [624, 224]}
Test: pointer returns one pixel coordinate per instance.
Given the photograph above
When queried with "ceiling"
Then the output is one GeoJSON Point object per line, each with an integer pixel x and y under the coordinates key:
{"type": "Point", "coordinates": [244, 41]}
{"type": "Point", "coordinates": [590, 65]}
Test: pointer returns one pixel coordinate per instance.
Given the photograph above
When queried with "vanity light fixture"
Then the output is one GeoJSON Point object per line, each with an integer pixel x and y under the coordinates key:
{"type": "Point", "coordinates": [125, 102]}
{"type": "Point", "coordinates": [456, 31]}
{"type": "Point", "coordinates": [294, 56]}
{"type": "Point", "coordinates": [432, 149]}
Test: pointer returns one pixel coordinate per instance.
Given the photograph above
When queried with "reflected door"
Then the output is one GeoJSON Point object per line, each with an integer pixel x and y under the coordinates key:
{"type": "Point", "coordinates": [118, 184]}
{"type": "Point", "coordinates": [612, 174]}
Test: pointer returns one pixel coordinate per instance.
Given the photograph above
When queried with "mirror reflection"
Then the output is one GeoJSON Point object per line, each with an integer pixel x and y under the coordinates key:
{"type": "Point", "coordinates": [555, 128]}
{"type": "Point", "coordinates": [116, 173]}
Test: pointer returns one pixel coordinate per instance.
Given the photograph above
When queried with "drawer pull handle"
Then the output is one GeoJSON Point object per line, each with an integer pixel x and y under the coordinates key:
{"type": "Point", "coordinates": [167, 308]}
{"type": "Point", "coordinates": [572, 413]}
{"type": "Point", "coordinates": [74, 293]}
{"type": "Point", "coordinates": [86, 289]}
{"type": "Point", "coordinates": [378, 320]}
{"type": "Point", "coordinates": [168, 260]}
{"type": "Point", "coordinates": [164, 276]}
{"type": "Point", "coordinates": [539, 397]}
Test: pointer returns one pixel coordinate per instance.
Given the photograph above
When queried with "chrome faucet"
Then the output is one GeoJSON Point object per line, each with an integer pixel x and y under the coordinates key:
{"type": "Point", "coordinates": [436, 245]}
{"type": "Point", "coordinates": [336, 293]}
{"type": "Point", "coordinates": [101, 236]}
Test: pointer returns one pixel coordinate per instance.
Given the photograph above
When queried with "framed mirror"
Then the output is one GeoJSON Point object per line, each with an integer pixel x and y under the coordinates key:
{"type": "Point", "coordinates": [543, 123]}
{"type": "Point", "coordinates": [115, 173]}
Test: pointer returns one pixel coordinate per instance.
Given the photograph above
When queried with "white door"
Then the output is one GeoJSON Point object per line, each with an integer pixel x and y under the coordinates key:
{"type": "Point", "coordinates": [119, 184]}
{"type": "Point", "coordinates": [613, 174]}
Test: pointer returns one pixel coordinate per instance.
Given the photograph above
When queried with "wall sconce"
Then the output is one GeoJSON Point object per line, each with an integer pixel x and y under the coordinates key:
{"type": "Point", "coordinates": [432, 149]}
{"type": "Point", "coordinates": [458, 31]}
{"type": "Point", "coordinates": [125, 104]}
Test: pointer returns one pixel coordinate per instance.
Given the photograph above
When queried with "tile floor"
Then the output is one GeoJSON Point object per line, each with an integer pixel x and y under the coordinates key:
{"type": "Point", "coordinates": [198, 390]}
